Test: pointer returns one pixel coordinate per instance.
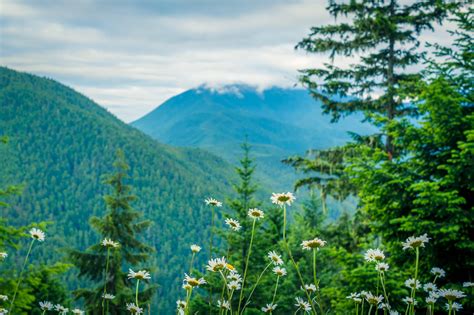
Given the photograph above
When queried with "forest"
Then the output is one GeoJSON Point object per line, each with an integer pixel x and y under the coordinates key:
{"type": "Point", "coordinates": [98, 218]}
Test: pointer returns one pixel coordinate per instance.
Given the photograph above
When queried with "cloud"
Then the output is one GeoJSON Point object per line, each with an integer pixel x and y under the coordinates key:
{"type": "Point", "coordinates": [130, 56]}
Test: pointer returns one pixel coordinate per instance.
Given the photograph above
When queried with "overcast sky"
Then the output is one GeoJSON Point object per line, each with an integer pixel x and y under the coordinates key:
{"type": "Point", "coordinates": [130, 56]}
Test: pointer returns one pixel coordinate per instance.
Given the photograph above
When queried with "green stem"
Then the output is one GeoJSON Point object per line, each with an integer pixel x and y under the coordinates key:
{"type": "Point", "coordinates": [293, 261]}
{"type": "Point", "coordinates": [191, 264]}
{"type": "Point", "coordinates": [357, 308]}
{"type": "Point", "coordinates": [21, 276]}
{"type": "Point", "coordinates": [246, 265]}
{"type": "Point", "coordinates": [255, 286]}
{"type": "Point", "coordinates": [450, 307]}
{"type": "Point", "coordinates": [44, 311]}
{"type": "Point", "coordinates": [188, 299]}
{"type": "Point", "coordinates": [136, 292]}
{"type": "Point", "coordinates": [210, 255]}
{"type": "Point", "coordinates": [370, 309]}
{"type": "Point", "coordinates": [382, 281]}
{"type": "Point", "coordinates": [413, 292]}
{"type": "Point", "coordinates": [105, 280]}
{"type": "Point", "coordinates": [314, 268]}
{"type": "Point", "coordinates": [362, 307]}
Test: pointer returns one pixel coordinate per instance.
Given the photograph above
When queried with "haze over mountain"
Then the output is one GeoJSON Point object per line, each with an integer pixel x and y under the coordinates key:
{"type": "Point", "coordinates": [278, 122]}
{"type": "Point", "coordinates": [61, 143]}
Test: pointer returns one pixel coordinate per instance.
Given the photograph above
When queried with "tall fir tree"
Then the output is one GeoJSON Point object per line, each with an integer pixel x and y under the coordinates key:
{"type": "Point", "coordinates": [384, 35]}
{"type": "Point", "coordinates": [122, 224]}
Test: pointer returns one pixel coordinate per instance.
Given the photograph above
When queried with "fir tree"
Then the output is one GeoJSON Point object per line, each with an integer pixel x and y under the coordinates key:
{"type": "Point", "coordinates": [122, 224]}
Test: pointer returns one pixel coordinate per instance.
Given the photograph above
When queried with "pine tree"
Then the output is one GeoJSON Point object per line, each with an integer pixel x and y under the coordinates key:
{"type": "Point", "coordinates": [384, 35]}
{"type": "Point", "coordinates": [121, 223]}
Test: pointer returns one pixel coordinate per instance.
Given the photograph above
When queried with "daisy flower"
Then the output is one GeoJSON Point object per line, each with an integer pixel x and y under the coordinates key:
{"type": "Point", "coordinates": [269, 308]}
{"type": "Point", "coordinates": [3, 311]}
{"type": "Point", "coordinates": [282, 198]}
{"type": "Point", "coordinates": [384, 306]}
{"type": "Point", "coordinates": [134, 309]}
{"type": "Point", "coordinates": [280, 272]}
{"type": "Point", "coordinates": [374, 255]}
{"type": "Point", "coordinates": [108, 296]}
{"type": "Point", "coordinates": [394, 313]}
{"type": "Point", "coordinates": [415, 242]}
{"type": "Point", "coordinates": [77, 311]}
{"type": "Point", "coordinates": [216, 264]}
{"type": "Point", "coordinates": [234, 285]}
{"type": "Point", "coordinates": [302, 304]}
{"type": "Point", "coordinates": [234, 276]}
{"type": "Point", "coordinates": [410, 283]}
{"type": "Point", "coordinates": [193, 282]}
{"type": "Point", "coordinates": [233, 224]}
{"type": "Point", "coordinates": [180, 304]}
{"type": "Point", "coordinates": [213, 202]}
{"type": "Point", "coordinates": [139, 275]}
{"type": "Point", "coordinates": [61, 309]}
{"type": "Point", "coordinates": [256, 214]}
{"type": "Point", "coordinates": [3, 255]}
{"type": "Point", "coordinates": [315, 243]}
{"type": "Point", "coordinates": [37, 234]}
{"type": "Point", "coordinates": [3, 297]}
{"type": "Point", "coordinates": [109, 243]}
{"type": "Point", "coordinates": [353, 296]}
{"type": "Point", "coordinates": [310, 288]}
{"type": "Point", "coordinates": [451, 294]}
{"type": "Point", "coordinates": [373, 299]}
{"type": "Point", "coordinates": [408, 300]}
{"type": "Point", "coordinates": [275, 258]}
{"type": "Point", "coordinates": [431, 300]}
{"type": "Point", "coordinates": [468, 284]}
{"type": "Point", "coordinates": [438, 272]}
{"type": "Point", "coordinates": [223, 304]}
{"type": "Point", "coordinates": [195, 248]}
{"type": "Point", "coordinates": [46, 305]}
{"type": "Point", "coordinates": [381, 267]}
{"type": "Point", "coordinates": [430, 287]}
{"type": "Point", "coordinates": [455, 306]}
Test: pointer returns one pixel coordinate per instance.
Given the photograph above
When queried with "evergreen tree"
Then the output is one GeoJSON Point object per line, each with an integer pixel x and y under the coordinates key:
{"type": "Point", "coordinates": [384, 35]}
{"type": "Point", "coordinates": [121, 224]}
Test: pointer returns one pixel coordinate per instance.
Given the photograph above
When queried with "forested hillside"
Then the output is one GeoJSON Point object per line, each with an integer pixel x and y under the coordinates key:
{"type": "Point", "coordinates": [61, 144]}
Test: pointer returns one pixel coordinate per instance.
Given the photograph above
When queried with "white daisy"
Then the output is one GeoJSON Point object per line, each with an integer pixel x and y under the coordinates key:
{"type": "Point", "coordinates": [275, 258]}
{"type": "Point", "coordinates": [374, 255]}
{"type": "Point", "coordinates": [37, 234]}
{"type": "Point", "coordinates": [46, 305]}
{"type": "Point", "coordinates": [310, 288]}
{"type": "Point", "coordinates": [280, 272]}
{"type": "Point", "coordinates": [302, 304]}
{"type": "Point", "coordinates": [381, 267]}
{"type": "Point", "coordinates": [213, 202]}
{"type": "Point", "coordinates": [256, 214]}
{"type": "Point", "coordinates": [315, 243]}
{"type": "Point", "coordinates": [234, 276]}
{"type": "Point", "coordinates": [430, 287]}
{"type": "Point", "coordinates": [109, 243]}
{"type": "Point", "coordinates": [408, 300]}
{"type": "Point", "coordinates": [223, 304]}
{"type": "Point", "coordinates": [3, 297]}
{"type": "Point", "coordinates": [269, 308]}
{"type": "Point", "coordinates": [195, 248]}
{"type": "Point", "coordinates": [394, 313]}
{"type": "Point", "coordinates": [415, 241]}
{"type": "Point", "coordinates": [3, 311]}
{"type": "Point", "coordinates": [193, 282]}
{"type": "Point", "coordinates": [451, 294]}
{"type": "Point", "coordinates": [353, 296]}
{"type": "Point", "coordinates": [468, 284]}
{"type": "Point", "coordinates": [134, 309]}
{"type": "Point", "coordinates": [139, 275]}
{"type": "Point", "coordinates": [180, 304]}
{"type": "Point", "coordinates": [3, 255]}
{"type": "Point", "coordinates": [61, 309]}
{"type": "Point", "coordinates": [108, 296]}
{"type": "Point", "coordinates": [233, 224]}
{"type": "Point", "coordinates": [216, 264]}
{"type": "Point", "coordinates": [373, 299]}
{"type": "Point", "coordinates": [77, 311]}
{"type": "Point", "coordinates": [234, 285]}
{"type": "Point", "coordinates": [431, 300]}
{"type": "Point", "coordinates": [384, 306]}
{"type": "Point", "coordinates": [282, 198]}
{"type": "Point", "coordinates": [455, 306]}
{"type": "Point", "coordinates": [364, 294]}
{"type": "Point", "coordinates": [438, 272]}
{"type": "Point", "coordinates": [410, 283]}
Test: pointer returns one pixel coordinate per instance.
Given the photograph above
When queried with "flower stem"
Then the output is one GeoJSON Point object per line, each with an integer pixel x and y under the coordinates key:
{"type": "Point", "coordinates": [314, 269]}
{"type": "Point", "coordinates": [105, 280]}
{"type": "Point", "coordinates": [21, 276]}
{"type": "Point", "coordinates": [357, 308]}
{"type": "Point", "coordinates": [275, 292]}
{"type": "Point", "coordinates": [188, 299]}
{"type": "Point", "coordinates": [136, 292]}
{"type": "Point", "coordinates": [382, 281]}
{"type": "Point", "coordinates": [210, 255]}
{"type": "Point", "coordinates": [255, 286]}
{"type": "Point", "coordinates": [191, 264]}
{"type": "Point", "coordinates": [370, 309]}
{"type": "Point", "coordinates": [246, 265]}
{"type": "Point", "coordinates": [413, 292]}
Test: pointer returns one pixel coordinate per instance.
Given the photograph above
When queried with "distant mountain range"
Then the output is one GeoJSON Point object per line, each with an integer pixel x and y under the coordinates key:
{"type": "Point", "coordinates": [278, 122]}
{"type": "Point", "coordinates": [61, 143]}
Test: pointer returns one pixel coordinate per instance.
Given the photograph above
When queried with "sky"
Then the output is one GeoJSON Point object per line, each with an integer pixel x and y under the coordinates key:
{"type": "Point", "coordinates": [130, 56]}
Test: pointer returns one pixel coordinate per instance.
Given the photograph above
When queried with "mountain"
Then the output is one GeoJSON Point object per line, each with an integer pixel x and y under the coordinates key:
{"type": "Point", "coordinates": [61, 143]}
{"type": "Point", "coordinates": [278, 122]}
